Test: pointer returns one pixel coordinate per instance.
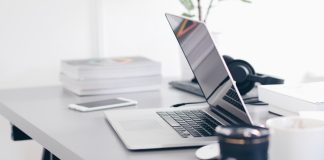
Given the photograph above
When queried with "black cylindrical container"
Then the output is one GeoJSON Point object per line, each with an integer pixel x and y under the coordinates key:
{"type": "Point", "coordinates": [243, 143]}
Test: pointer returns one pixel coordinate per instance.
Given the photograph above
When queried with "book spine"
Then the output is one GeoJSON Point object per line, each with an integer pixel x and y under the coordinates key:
{"type": "Point", "coordinates": [111, 83]}
{"type": "Point", "coordinates": [105, 74]}
{"type": "Point", "coordinates": [281, 111]}
{"type": "Point", "coordinates": [284, 101]}
{"type": "Point", "coordinates": [111, 91]}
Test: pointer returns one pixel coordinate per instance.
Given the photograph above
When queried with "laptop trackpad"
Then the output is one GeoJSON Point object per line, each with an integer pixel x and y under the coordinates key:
{"type": "Point", "coordinates": [135, 125]}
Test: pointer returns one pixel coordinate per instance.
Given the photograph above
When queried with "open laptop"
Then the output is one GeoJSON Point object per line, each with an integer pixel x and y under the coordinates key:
{"type": "Point", "coordinates": [182, 127]}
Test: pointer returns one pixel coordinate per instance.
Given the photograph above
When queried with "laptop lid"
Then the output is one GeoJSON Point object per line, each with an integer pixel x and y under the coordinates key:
{"type": "Point", "coordinates": [209, 69]}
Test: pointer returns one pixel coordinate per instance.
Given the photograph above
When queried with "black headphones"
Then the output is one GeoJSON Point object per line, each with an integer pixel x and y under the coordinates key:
{"type": "Point", "coordinates": [245, 76]}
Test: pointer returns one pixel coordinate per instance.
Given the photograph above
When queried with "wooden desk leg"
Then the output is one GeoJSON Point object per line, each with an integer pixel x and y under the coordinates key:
{"type": "Point", "coordinates": [47, 155]}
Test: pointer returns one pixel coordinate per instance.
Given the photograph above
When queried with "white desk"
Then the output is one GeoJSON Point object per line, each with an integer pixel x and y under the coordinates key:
{"type": "Point", "coordinates": [42, 113]}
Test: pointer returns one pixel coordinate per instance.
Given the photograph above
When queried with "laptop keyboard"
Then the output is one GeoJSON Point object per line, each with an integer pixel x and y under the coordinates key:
{"type": "Point", "coordinates": [232, 98]}
{"type": "Point", "coordinates": [190, 123]}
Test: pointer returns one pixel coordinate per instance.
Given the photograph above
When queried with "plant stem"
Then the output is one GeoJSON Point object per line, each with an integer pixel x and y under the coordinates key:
{"type": "Point", "coordinates": [199, 10]}
{"type": "Point", "coordinates": [209, 7]}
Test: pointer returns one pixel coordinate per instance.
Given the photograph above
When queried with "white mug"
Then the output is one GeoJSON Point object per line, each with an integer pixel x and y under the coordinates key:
{"type": "Point", "coordinates": [296, 138]}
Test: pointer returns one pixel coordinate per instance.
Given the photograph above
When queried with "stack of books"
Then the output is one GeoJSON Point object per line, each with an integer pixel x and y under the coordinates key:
{"type": "Point", "coordinates": [291, 99]}
{"type": "Point", "coordinates": [110, 75]}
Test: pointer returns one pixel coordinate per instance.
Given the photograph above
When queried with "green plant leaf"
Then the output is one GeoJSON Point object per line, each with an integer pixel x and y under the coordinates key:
{"type": "Point", "coordinates": [246, 1]}
{"type": "Point", "coordinates": [187, 4]}
{"type": "Point", "coordinates": [188, 15]}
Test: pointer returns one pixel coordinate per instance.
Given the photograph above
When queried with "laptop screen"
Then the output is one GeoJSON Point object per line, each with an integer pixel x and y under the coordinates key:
{"type": "Point", "coordinates": [209, 69]}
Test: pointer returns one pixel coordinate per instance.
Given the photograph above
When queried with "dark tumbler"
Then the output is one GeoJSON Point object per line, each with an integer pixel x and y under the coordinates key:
{"type": "Point", "coordinates": [243, 143]}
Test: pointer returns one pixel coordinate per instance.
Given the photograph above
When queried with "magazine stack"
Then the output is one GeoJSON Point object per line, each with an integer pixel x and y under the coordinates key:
{"type": "Point", "coordinates": [110, 75]}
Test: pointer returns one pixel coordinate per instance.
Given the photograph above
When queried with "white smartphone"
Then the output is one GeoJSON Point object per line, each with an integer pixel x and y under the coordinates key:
{"type": "Point", "coordinates": [104, 104]}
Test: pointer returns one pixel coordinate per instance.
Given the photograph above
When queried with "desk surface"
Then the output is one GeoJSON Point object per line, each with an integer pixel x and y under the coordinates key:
{"type": "Point", "coordinates": [42, 113]}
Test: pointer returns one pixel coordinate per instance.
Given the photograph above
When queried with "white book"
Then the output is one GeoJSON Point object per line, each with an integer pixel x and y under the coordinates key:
{"type": "Point", "coordinates": [281, 111]}
{"type": "Point", "coordinates": [293, 98]}
{"type": "Point", "coordinates": [117, 73]}
{"type": "Point", "coordinates": [88, 92]}
{"type": "Point", "coordinates": [118, 67]}
{"type": "Point", "coordinates": [111, 83]}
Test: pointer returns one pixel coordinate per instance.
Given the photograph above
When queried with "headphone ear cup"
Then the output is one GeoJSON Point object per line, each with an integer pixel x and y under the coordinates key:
{"type": "Point", "coordinates": [240, 71]}
{"type": "Point", "coordinates": [228, 59]}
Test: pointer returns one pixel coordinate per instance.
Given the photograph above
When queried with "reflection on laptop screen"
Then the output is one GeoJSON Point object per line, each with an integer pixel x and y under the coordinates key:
{"type": "Point", "coordinates": [209, 69]}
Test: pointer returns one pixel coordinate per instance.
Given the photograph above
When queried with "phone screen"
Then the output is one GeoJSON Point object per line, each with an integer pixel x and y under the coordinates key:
{"type": "Point", "coordinates": [102, 103]}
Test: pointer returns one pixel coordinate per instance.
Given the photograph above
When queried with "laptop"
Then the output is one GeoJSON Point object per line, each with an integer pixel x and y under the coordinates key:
{"type": "Point", "coordinates": [141, 129]}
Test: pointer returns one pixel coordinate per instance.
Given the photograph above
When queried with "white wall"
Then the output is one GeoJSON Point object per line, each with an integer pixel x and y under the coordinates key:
{"type": "Point", "coordinates": [36, 34]}
{"type": "Point", "coordinates": [278, 37]}
{"type": "Point", "coordinates": [140, 27]}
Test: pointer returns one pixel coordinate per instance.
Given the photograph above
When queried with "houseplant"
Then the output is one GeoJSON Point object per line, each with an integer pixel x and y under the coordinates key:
{"type": "Point", "coordinates": [191, 7]}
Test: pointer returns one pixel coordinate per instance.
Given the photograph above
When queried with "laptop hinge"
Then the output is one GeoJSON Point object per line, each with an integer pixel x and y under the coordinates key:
{"type": "Point", "coordinates": [227, 116]}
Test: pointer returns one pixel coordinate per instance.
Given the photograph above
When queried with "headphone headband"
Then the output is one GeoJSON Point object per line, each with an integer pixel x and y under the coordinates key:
{"type": "Point", "coordinates": [265, 79]}
{"type": "Point", "coordinates": [245, 76]}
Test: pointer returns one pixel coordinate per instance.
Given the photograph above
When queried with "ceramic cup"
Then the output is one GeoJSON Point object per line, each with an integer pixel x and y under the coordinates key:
{"type": "Point", "coordinates": [293, 138]}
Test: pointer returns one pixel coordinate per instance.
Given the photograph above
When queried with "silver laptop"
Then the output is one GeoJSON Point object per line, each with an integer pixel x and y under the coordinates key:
{"type": "Point", "coordinates": [183, 127]}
